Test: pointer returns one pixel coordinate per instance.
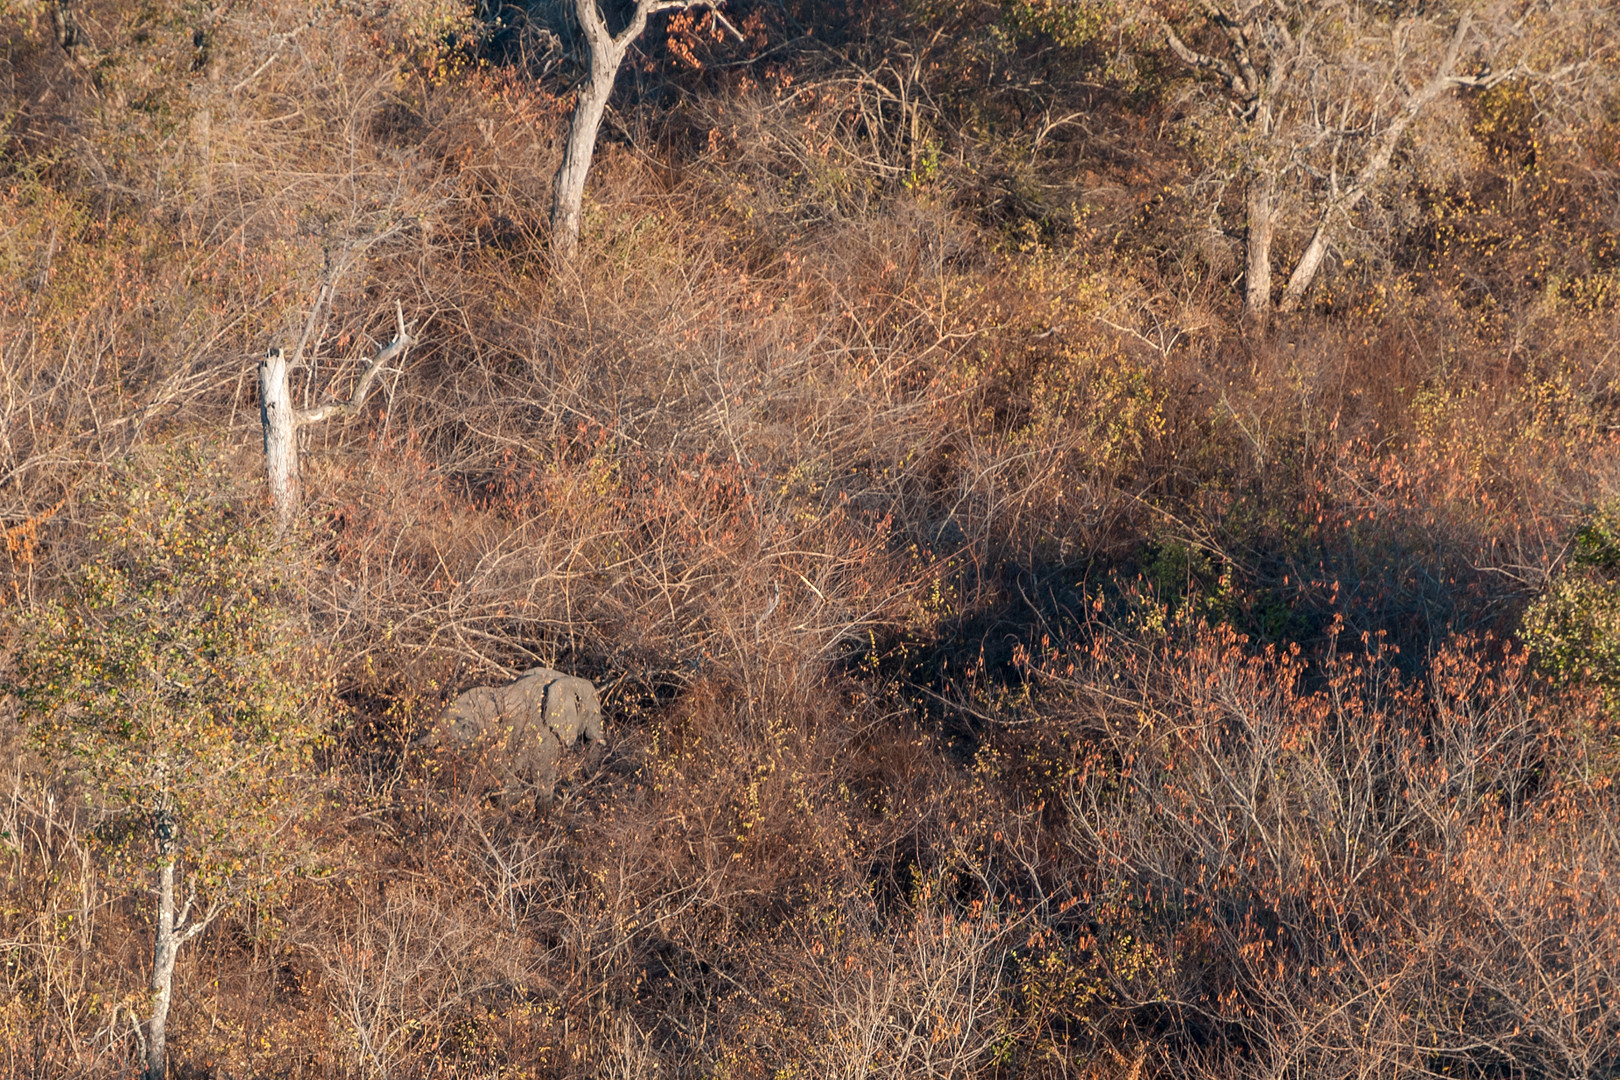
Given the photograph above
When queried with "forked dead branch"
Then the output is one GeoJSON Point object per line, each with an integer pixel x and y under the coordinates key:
{"type": "Point", "coordinates": [1321, 96]}
{"type": "Point", "coordinates": [282, 421]}
{"type": "Point", "coordinates": [605, 51]}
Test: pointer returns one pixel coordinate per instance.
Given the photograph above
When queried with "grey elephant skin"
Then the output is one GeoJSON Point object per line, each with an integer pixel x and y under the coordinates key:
{"type": "Point", "coordinates": [520, 731]}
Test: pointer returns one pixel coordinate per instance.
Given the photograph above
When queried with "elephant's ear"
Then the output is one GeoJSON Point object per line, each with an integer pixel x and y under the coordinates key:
{"type": "Point", "coordinates": [562, 710]}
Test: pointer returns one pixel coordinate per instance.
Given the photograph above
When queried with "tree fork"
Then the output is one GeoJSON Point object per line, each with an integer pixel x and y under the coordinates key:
{"type": "Point", "coordinates": [605, 52]}
{"type": "Point", "coordinates": [173, 931]}
{"type": "Point", "coordinates": [1299, 282]}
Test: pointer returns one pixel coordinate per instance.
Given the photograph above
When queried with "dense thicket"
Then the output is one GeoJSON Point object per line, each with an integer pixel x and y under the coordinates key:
{"type": "Point", "coordinates": [1018, 660]}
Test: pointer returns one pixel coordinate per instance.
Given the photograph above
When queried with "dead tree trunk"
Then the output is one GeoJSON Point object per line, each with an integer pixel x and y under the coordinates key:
{"type": "Point", "coordinates": [281, 421]}
{"type": "Point", "coordinates": [1257, 247]}
{"type": "Point", "coordinates": [606, 52]}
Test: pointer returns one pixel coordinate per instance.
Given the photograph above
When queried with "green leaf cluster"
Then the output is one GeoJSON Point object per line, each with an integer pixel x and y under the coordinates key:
{"type": "Point", "coordinates": [1574, 628]}
{"type": "Point", "coordinates": [168, 677]}
{"type": "Point", "coordinates": [1068, 23]}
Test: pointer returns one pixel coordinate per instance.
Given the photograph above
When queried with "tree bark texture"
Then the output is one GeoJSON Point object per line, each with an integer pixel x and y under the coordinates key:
{"type": "Point", "coordinates": [1299, 282]}
{"type": "Point", "coordinates": [280, 422]}
{"type": "Point", "coordinates": [606, 53]}
{"type": "Point", "coordinates": [163, 954]}
{"type": "Point", "coordinates": [568, 198]}
{"type": "Point", "coordinates": [1257, 248]}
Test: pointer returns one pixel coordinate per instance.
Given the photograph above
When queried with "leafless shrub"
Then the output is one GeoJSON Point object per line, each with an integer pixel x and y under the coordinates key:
{"type": "Point", "coordinates": [397, 968]}
{"type": "Point", "coordinates": [1328, 867]}
{"type": "Point", "coordinates": [55, 920]}
{"type": "Point", "coordinates": [921, 998]}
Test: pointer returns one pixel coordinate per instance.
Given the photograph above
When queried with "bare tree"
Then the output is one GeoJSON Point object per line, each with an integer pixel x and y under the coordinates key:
{"type": "Point", "coordinates": [281, 420]}
{"type": "Point", "coordinates": [606, 51]}
{"type": "Point", "coordinates": [1318, 95]}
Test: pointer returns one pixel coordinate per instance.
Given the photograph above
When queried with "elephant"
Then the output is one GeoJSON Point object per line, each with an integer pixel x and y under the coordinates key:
{"type": "Point", "coordinates": [520, 730]}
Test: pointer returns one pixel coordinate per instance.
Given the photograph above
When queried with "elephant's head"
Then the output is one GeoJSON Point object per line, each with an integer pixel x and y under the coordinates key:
{"type": "Point", "coordinates": [463, 722]}
{"type": "Point", "coordinates": [572, 711]}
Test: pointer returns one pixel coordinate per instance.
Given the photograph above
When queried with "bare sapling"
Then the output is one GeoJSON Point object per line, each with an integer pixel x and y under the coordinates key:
{"type": "Point", "coordinates": [605, 53]}
{"type": "Point", "coordinates": [282, 420]}
{"type": "Point", "coordinates": [173, 930]}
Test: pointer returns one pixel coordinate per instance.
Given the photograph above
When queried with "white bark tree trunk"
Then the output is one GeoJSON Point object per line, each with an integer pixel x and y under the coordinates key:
{"type": "Point", "coordinates": [1264, 51]}
{"type": "Point", "coordinates": [606, 53]}
{"type": "Point", "coordinates": [1299, 282]}
{"type": "Point", "coordinates": [568, 196]}
{"type": "Point", "coordinates": [174, 929]}
{"type": "Point", "coordinates": [280, 422]}
{"type": "Point", "coordinates": [1257, 247]}
{"type": "Point", "coordinates": [164, 952]}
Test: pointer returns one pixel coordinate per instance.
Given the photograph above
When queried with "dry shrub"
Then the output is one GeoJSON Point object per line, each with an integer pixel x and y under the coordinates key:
{"type": "Point", "coordinates": [922, 998]}
{"type": "Point", "coordinates": [1336, 869]}
{"type": "Point", "coordinates": [61, 933]}
{"type": "Point", "coordinates": [847, 401]}
{"type": "Point", "coordinates": [649, 512]}
{"type": "Point", "coordinates": [400, 969]}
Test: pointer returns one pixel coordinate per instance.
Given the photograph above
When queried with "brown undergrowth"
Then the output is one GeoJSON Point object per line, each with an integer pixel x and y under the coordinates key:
{"type": "Point", "coordinates": [1014, 666]}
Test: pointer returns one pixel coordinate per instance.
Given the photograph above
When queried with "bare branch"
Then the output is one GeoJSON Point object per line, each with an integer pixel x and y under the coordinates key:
{"type": "Point", "coordinates": [321, 296]}
{"type": "Point", "coordinates": [1192, 58]}
{"type": "Point", "coordinates": [1342, 201]}
{"type": "Point", "coordinates": [647, 8]}
{"type": "Point", "coordinates": [396, 348]}
{"type": "Point", "coordinates": [633, 29]}
{"type": "Point", "coordinates": [726, 25]}
{"type": "Point", "coordinates": [598, 38]}
{"type": "Point", "coordinates": [197, 925]}
{"type": "Point", "coordinates": [1238, 36]}
{"type": "Point", "coordinates": [282, 41]}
